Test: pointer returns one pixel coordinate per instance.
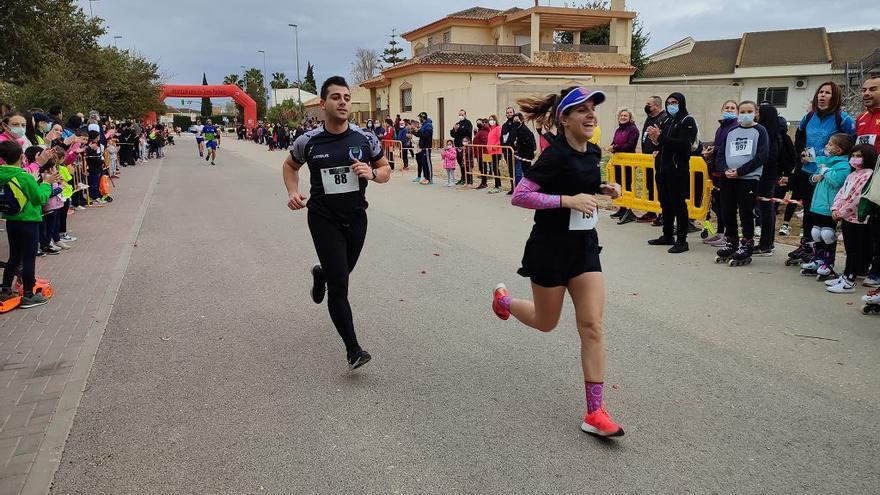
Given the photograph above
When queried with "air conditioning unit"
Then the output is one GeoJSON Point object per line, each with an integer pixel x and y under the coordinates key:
{"type": "Point", "coordinates": [736, 83]}
{"type": "Point", "coordinates": [800, 84]}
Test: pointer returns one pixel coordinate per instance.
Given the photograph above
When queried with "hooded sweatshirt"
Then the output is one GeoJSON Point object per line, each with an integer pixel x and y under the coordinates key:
{"type": "Point", "coordinates": [677, 135]}
{"type": "Point", "coordinates": [36, 194]}
{"type": "Point", "coordinates": [818, 131]}
{"type": "Point", "coordinates": [426, 134]}
{"type": "Point", "coordinates": [833, 176]}
{"type": "Point", "coordinates": [724, 128]}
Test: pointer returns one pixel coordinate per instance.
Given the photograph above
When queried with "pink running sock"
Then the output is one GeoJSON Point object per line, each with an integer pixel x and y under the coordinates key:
{"type": "Point", "coordinates": [594, 395]}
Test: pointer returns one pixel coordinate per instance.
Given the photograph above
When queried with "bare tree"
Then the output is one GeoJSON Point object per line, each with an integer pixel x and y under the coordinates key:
{"type": "Point", "coordinates": [365, 65]}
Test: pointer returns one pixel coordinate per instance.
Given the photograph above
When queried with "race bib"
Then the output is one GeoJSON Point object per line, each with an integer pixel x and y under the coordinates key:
{"type": "Point", "coordinates": [339, 180]}
{"type": "Point", "coordinates": [741, 147]}
{"type": "Point", "coordinates": [582, 221]}
{"type": "Point", "coordinates": [868, 139]}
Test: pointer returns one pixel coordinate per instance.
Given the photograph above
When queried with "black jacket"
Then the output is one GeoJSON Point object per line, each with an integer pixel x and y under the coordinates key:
{"type": "Point", "coordinates": [525, 142]}
{"type": "Point", "coordinates": [648, 146]}
{"type": "Point", "coordinates": [677, 136]}
{"type": "Point", "coordinates": [465, 130]}
{"type": "Point", "coordinates": [508, 134]}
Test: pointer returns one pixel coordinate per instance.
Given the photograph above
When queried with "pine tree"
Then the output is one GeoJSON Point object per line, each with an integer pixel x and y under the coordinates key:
{"type": "Point", "coordinates": [207, 110]}
{"type": "Point", "coordinates": [391, 55]}
{"type": "Point", "coordinates": [308, 83]}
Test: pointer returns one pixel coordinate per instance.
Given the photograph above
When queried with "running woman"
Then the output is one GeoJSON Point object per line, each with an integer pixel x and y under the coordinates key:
{"type": "Point", "coordinates": [200, 139]}
{"type": "Point", "coordinates": [562, 253]}
{"type": "Point", "coordinates": [341, 158]}
{"type": "Point", "coordinates": [209, 131]}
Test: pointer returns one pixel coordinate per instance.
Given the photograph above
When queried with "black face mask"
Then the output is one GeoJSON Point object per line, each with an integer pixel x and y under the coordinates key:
{"type": "Point", "coordinates": [479, 126]}
{"type": "Point", "coordinates": [648, 109]}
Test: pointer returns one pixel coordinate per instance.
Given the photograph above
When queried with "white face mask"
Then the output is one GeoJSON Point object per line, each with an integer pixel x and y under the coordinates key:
{"type": "Point", "coordinates": [492, 122]}
{"type": "Point", "coordinates": [460, 118]}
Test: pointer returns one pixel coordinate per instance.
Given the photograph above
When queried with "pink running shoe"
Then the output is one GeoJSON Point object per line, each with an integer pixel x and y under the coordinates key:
{"type": "Point", "coordinates": [599, 423]}
{"type": "Point", "coordinates": [497, 306]}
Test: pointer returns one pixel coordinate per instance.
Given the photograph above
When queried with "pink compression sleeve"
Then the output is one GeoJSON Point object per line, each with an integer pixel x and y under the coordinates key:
{"type": "Point", "coordinates": [526, 195]}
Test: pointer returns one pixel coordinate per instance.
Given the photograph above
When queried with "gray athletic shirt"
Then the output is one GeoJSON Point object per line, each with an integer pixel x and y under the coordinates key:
{"type": "Point", "coordinates": [746, 151]}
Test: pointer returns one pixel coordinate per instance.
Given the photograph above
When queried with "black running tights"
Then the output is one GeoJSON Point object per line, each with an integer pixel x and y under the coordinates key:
{"type": "Point", "coordinates": [339, 246]}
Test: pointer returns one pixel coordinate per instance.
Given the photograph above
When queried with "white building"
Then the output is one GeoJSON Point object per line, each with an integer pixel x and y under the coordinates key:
{"type": "Point", "coordinates": [782, 67]}
{"type": "Point", "coordinates": [281, 95]}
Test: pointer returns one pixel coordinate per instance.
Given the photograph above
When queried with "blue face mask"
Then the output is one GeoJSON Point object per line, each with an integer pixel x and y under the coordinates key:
{"type": "Point", "coordinates": [746, 118]}
{"type": "Point", "coordinates": [728, 115]}
{"type": "Point", "coordinates": [672, 109]}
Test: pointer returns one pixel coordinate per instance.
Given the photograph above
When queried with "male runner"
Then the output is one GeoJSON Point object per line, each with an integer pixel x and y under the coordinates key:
{"type": "Point", "coordinates": [341, 158]}
{"type": "Point", "coordinates": [200, 139]}
{"type": "Point", "coordinates": [210, 132]}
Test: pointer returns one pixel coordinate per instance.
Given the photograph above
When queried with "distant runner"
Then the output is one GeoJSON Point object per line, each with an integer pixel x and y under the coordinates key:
{"type": "Point", "coordinates": [211, 140]}
{"type": "Point", "coordinates": [200, 139]}
{"type": "Point", "coordinates": [341, 158]}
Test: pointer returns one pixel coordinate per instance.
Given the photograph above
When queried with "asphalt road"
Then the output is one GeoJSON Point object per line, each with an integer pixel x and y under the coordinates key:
{"type": "Point", "coordinates": [217, 374]}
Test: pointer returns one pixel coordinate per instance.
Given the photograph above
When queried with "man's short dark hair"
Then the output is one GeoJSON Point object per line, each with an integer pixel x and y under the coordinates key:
{"type": "Point", "coordinates": [332, 81]}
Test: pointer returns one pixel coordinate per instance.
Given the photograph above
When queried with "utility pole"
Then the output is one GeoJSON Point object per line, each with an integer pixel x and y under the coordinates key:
{"type": "Point", "coordinates": [265, 76]}
{"type": "Point", "coordinates": [298, 80]}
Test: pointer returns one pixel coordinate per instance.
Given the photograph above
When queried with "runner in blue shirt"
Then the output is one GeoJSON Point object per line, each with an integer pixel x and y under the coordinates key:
{"type": "Point", "coordinates": [211, 134]}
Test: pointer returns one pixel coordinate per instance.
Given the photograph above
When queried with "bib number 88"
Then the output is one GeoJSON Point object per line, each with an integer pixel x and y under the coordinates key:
{"type": "Point", "coordinates": [340, 179]}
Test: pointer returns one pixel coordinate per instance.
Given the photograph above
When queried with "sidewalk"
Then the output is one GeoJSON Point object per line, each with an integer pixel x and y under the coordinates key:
{"type": "Point", "coordinates": [46, 352]}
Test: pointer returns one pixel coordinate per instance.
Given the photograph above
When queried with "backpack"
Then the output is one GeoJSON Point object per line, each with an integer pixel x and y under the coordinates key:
{"type": "Point", "coordinates": [12, 198]}
{"type": "Point", "coordinates": [696, 146]}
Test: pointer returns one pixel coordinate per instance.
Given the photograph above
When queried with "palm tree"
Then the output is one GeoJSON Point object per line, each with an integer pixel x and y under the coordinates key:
{"type": "Point", "coordinates": [233, 79]}
{"type": "Point", "coordinates": [279, 81]}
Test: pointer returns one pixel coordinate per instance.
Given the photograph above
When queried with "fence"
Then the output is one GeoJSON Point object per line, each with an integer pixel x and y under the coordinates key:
{"type": "Point", "coordinates": [479, 162]}
{"type": "Point", "coordinates": [635, 173]}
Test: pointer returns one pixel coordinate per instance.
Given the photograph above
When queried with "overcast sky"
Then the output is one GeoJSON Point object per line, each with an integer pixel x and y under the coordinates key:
{"type": "Point", "coordinates": [217, 37]}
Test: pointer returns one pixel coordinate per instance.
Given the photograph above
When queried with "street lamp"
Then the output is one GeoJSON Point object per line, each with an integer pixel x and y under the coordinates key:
{"type": "Point", "coordinates": [90, 8]}
{"type": "Point", "coordinates": [265, 76]}
{"type": "Point", "coordinates": [117, 37]}
{"type": "Point", "coordinates": [298, 80]}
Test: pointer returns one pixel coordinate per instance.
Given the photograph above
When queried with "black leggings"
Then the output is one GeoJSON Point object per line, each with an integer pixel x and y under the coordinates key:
{"type": "Point", "coordinates": [338, 246]}
{"type": "Point", "coordinates": [767, 209]}
{"type": "Point", "coordinates": [23, 240]}
{"type": "Point", "coordinates": [738, 194]}
{"type": "Point", "coordinates": [673, 188]}
{"type": "Point", "coordinates": [858, 243]}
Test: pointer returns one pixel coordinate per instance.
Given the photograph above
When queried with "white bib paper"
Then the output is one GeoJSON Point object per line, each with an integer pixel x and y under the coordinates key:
{"type": "Point", "coordinates": [741, 147]}
{"type": "Point", "coordinates": [582, 221]}
{"type": "Point", "coordinates": [869, 139]}
{"type": "Point", "coordinates": [339, 180]}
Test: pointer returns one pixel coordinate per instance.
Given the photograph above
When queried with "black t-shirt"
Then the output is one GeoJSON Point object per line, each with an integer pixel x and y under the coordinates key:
{"type": "Point", "coordinates": [336, 192]}
{"type": "Point", "coordinates": [565, 171]}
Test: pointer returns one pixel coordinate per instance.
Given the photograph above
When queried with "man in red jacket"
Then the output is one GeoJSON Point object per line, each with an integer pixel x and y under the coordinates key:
{"type": "Point", "coordinates": [868, 123]}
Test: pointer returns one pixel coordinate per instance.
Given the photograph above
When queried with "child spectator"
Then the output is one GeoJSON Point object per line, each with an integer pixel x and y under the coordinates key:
{"type": "Point", "coordinates": [449, 162]}
{"type": "Point", "coordinates": [49, 225]}
{"type": "Point", "coordinates": [113, 157]}
{"type": "Point", "coordinates": [856, 235]}
{"type": "Point", "coordinates": [833, 168]}
{"type": "Point", "coordinates": [95, 163]}
{"type": "Point", "coordinates": [23, 227]}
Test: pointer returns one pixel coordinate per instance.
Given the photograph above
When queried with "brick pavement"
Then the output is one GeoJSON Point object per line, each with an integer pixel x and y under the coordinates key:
{"type": "Point", "coordinates": [46, 352]}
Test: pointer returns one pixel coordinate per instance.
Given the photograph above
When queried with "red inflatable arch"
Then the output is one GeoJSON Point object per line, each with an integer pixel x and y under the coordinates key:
{"type": "Point", "coordinates": [208, 91]}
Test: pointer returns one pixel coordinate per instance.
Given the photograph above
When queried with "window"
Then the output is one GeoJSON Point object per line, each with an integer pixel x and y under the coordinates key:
{"type": "Point", "coordinates": [430, 40]}
{"type": "Point", "coordinates": [778, 97]}
{"type": "Point", "coordinates": [406, 99]}
{"type": "Point", "coordinates": [447, 36]}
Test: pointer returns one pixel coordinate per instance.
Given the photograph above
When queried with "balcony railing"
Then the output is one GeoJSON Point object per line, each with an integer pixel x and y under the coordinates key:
{"type": "Point", "coordinates": [558, 47]}
{"type": "Point", "coordinates": [466, 48]}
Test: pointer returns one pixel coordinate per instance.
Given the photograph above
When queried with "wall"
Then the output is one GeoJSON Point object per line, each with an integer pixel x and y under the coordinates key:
{"type": "Point", "coordinates": [577, 58]}
{"type": "Point", "coordinates": [472, 35]}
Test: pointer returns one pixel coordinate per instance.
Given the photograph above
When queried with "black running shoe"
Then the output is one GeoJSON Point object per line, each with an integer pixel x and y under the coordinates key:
{"type": "Point", "coordinates": [319, 284]}
{"type": "Point", "coordinates": [359, 359]}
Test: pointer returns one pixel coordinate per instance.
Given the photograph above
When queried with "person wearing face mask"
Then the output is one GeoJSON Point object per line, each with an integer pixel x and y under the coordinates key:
{"type": "Point", "coordinates": [726, 123]}
{"type": "Point", "coordinates": [655, 115]}
{"type": "Point", "coordinates": [508, 139]}
{"type": "Point", "coordinates": [524, 147]}
{"type": "Point", "coordinates": [815, 129]}
{"type": "Point", "coordinates": [405, 143]}
{"type": "Point", "coordinates": [494, 150]}
{"type": "Point", "coordinates": [42, 127]}
{"type": "Point", "coordinates": [425, 133]}
{"type": "Point", "coordinates": [562, 253]}
{"type": "Point", "coordinates": [463, 129]}
{"type": "Point", "coordinates": [481, 139]}
{"type": "Point", "coordinates": [674, 140]}
{"type": "Point", "coordinates": [745, 154]}
{"type": "Point", "coordinates": [14, 127]}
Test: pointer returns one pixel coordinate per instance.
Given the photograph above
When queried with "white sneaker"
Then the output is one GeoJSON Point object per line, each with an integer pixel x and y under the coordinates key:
{"type": "Point", "coordinates": [81, 186]}
{"type": "Point", "coordinates": [785, 229]}
{"type": "Point", "coordinates": [67, 237]}
{"type": "Point", "coordinates": [62, 245]}
{"type": "Point", "coordinates": [872, 297]}
{"type": "Point", "coordinates": [833, 281]}
{"type": "Point", "coordinates": [80, 208]}
{"type": "Point", "coordinates": [844, 287]}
